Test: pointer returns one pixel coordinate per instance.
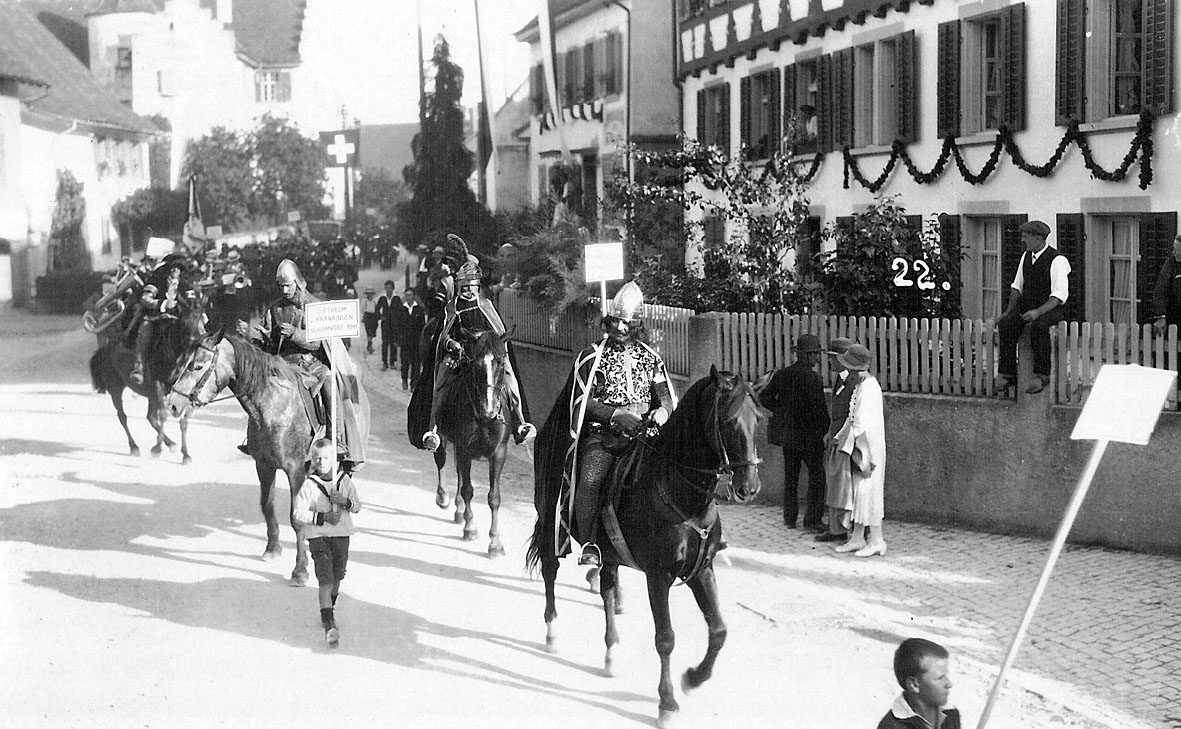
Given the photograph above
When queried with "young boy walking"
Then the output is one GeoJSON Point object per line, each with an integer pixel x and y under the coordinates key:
{"type": "Point", "coordinates": [325, 510]}
{"type": "Point", "coordinates": [921, 669]}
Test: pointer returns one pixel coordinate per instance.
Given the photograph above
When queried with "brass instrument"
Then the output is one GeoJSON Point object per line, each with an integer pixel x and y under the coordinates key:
{"type": "Point", "coordinates": [107, 310]}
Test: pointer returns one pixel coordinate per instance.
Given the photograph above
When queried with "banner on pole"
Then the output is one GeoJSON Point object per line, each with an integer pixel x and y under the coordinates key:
{"type": "Point", "coordinates": [604, 261]}
{"type": "Point", "coordinates": [1124, 404]}
{"type": "Point", "coordinates": [342, 147]}
{"type": "Point", "coordinates": [328, 319]}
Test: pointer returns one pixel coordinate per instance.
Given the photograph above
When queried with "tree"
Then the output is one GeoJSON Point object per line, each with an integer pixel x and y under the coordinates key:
{"type": "Point", "coordinates": [289, 171]}
{"type": "Point", "coordinates": [379, 190]}
{"type": "Point", "coordinates": [221, 161]}
{"type": "Point", "coordinates": [443, 202]}
{"type": "Point", "coordinates": [65, 229]}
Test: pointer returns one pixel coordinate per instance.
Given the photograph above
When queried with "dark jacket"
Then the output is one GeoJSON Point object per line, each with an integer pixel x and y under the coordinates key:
{"type": "Point", "coordinates": [407, 324]}
{"type": "Point", "coordinates": [386, 310]}
{"type": "Point", "coordinates": [799, 413]}
{"type": "Point", "coordinates": [1166, 295]}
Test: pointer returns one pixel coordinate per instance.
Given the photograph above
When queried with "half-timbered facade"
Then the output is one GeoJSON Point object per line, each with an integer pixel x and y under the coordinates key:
{"type": "Point", "coordinates": [977, 115]}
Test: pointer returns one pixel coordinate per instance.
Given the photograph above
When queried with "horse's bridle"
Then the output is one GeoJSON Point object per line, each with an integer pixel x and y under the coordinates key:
{"type": "Point", "coordinates": [191, 396]}
{"type": "Point", "coordinates": [727, 466]}
{"type": "Point", "coordinates": [465, 358]}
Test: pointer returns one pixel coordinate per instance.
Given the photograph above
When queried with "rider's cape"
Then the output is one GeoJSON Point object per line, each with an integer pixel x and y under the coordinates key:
{"type": "Point", "coordinates": [557, 442]}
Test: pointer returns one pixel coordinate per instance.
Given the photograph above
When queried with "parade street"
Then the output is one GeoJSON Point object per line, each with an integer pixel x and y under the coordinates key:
{"type": "Point", "coordinates": [134, 595]}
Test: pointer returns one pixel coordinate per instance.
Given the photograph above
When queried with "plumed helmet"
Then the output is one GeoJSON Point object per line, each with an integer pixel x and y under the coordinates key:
{"type": "Point", "coordinates": [469, 271]}
{"type": "Point", "coordinates": [628, 302]}
{"type": "Point", "coordinates": [288, 271]}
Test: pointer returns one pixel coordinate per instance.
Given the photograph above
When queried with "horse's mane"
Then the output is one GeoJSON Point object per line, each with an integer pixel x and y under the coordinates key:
{"type": "Point", "coordinates": [686, 418]}
{"type": "Point", "coordinates": [255, 366]}
{"type": "Point", "coordinates": [171, 338]}
{"type": "Point", "coordinates": [487, 343]}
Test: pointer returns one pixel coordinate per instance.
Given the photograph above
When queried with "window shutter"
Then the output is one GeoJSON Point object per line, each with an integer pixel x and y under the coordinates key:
{"type": "Point", "coordinates": [724, 118]}
{"type": "Point", "coordinates": [951, 243]}
{"type": "Point", "coordinates": [1156, 245]}
{"type": "Point", "coordinates": [574, 68]}
{"type": "Point", "coordinates": [825, 112]}
{"type": "Point", "coordinates": [791, 109]}
{"type": "Point", "coordinates": [561, 80]}
{"type": "Point", "coordinates": [842, 95]}
{"type": "Point", "coordinates": [948, 84]}
{"type": "Point", "coordinates": [1070, 71]}
{"type": "Point", "coordinates": [257, 87]}
{"type": "Point", "coordinates": [1071, 238]}
{"type": "Point", "coordinates": [283, 86]}
{"type": "Point", "coordinates": [1011, 250]}
{"type": "Point", "coordinates": [617, 63]}
{"type": "Point", "coordinates": [602, 88]}
{"type": "Point", "coordinates": [1158, 56]}
{"type": "Point", "coordinates": [775, 128]}
{"type": "Point", "coordinates": [590, 90]}
{"type": "Point", "coordinates": [908, 106]}
{"type": "Point", "coordinates": [1013, 32]}
{"type": "Point", "coordinates": [744, 113]}
{"type": "Point", "coordinates": [701, 97]}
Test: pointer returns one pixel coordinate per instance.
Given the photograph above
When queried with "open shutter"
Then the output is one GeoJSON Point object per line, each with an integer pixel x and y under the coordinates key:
{"type": "Point", "coordinates": [948, 84]}
{"type": "Point", "coordinates": [574, 68]}
{"type": "Point", "coordinates": [775, 126]}
{"type": "Point", "coordinates": [283, 86]}
{"type": "Point", "coordinates": [951, 243]}
{"type": "Point", "coordinates": [701, 111]}
{"type": "Point", "coordinates": [590, 89]}
{"type": "Point", "coordinates": [1156, 245]}
{"type": "Point", "coordinates": [744, 113]}
{"type": "Point", "coordinates": [842, 94]}
{"type": "Point", "coordinates": [257, 87]}
{"type": "Point", "coordinates": [1158, 56]}
{"type": "Point", "coordinates": [908, 100]}
{"type": "Point", "coordinates": [616, 61]}
{"type": "Point", "coordinates": [1071, 238]}
{"type": "Point", "coordinates": [1070, 70]}
{"type": "Point", "coordinates": [561, 80]}
{"type": "Point", "coordinates": [724, 118]}
{"type": "Point", "coordinates": [1011, 250]}
{"type": "Point", "coordinates": [825, 112]}
{"type": "Point", "coordinates": [601, 76]}
{"type": "Point", "coordinates": [1013, 31]}
{"type": "Point", "coordinates": [791, 111]}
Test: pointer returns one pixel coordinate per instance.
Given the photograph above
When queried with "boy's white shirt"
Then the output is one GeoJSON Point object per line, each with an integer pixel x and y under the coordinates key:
{"type": "Point", "coordinates": [311, 500]}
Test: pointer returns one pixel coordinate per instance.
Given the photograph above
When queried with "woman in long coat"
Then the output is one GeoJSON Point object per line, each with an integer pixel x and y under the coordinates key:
{"type": "Point", "coordinates": [863, 440]}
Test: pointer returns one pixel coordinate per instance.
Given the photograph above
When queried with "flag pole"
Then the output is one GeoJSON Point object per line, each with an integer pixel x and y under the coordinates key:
{"type": "Point", "coordinates": [484, 117]}
{"type": "Point", "coordinates": [546, 34]}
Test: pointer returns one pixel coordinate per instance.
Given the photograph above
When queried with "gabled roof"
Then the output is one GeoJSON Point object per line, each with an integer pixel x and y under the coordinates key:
{"type": "Point", "coordinates": [557, 8]}
{"type": "Point", "coordinates": [73, 93]}
{"type": "Point", "coordinates": [268, 31]}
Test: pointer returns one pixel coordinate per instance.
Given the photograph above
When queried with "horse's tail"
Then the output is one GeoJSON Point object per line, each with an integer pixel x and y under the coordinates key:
{"type": "Point", "coordinates": [98, 371]}
{"type": "Point", "coordinates": [543, 535]}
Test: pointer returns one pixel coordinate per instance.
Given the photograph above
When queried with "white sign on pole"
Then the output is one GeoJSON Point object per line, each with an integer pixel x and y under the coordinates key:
{"type": "Point", "coordinates": [327, 319]}
{"type": "Point", "coordinates": [293, 216]}
{"type": "Point", "coordinates": [604, 261]}
{"type": "Point", "coordinates": [1124, 404]}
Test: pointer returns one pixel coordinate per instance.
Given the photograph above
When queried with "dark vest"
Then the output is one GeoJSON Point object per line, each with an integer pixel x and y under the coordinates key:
{"type": "Point", "coordinates": [1036, 285]}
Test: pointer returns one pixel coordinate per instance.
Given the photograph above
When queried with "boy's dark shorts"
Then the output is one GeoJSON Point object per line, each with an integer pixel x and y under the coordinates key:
{"type": "Point", "coordinates": [330, 555]}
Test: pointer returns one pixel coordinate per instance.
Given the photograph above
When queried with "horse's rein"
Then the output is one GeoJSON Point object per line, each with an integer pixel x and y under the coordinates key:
{"type": "Point", "coordinates": [191, 396]}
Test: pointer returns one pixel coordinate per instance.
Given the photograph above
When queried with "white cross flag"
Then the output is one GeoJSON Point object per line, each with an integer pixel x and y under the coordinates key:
{"type": "Point", "coordinates": [342, 147]}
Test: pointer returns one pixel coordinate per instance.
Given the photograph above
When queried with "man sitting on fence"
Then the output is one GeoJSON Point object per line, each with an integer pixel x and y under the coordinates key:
{"type": "Point", "coordinates": [1039, 290]}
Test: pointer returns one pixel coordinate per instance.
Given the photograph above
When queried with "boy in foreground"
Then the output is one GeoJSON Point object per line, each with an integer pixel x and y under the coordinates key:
{"type": "Point", "coordinates": [921, 669]}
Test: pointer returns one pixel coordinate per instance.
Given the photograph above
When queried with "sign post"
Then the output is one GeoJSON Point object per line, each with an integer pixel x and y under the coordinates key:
{"type": "Point", "coordinates": [1124, 406]}
{"type": "Point", "coordinates": [604, 262]}
{"type": "Point", "coordinates": [331, 320]}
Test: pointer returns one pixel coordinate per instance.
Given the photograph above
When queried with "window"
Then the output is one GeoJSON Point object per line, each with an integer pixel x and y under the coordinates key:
{"type": "Point", "coordinates": [1114, 58]}
{"type": "Point", "coordinates": [123, 60]}
{"type": "Point", "coordinates": [993, 248]}
{"type": "Point", "coordinates": [713, 116]}
{"type": "Point", "coordinates": [992, 289]}
{"type": "Point", "coordinates": [981, 83]}
{"type": "Point", "coordinates": [874, 99]}
{"type": "Point", "coordinates": [272, 86]}
{"type": "Point", "coordinates": [802, 93]}
{"type": "Point", "coordinates": [1123, 250]}
{"type": "Point", "coordinates": [1126, 253]}
{"type": "Point", "coordinates": [760, 113]}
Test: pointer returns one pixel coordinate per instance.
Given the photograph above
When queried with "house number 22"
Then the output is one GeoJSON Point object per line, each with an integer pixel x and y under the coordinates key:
{"type": "Point", "coordinates": [922, 274]}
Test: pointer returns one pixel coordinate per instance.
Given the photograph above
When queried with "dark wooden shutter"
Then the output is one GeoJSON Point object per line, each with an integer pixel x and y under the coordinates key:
{"type": "Point", "coordinates": [535, 94]}
{"type": "Point", "coordinates": [601, 76]}
{"type": "Point", "coordinates": [775, 126]}
{"type": "Point", "coordinates": [283, 86]}
{"type": "Point", "coordinates": [1071, 237]}
{"type": "Point", "coordinates": [590, 89]}
{"type": "Point", "coordinates": [1158, 56]}
{"type": "Point", "coordinates": [574, 69]}
{"type": "Point", "coordinates": [744, 113]}
{"type": "Point", "coordinates": [723, 133]}
{"type": "Point", "coordinates": [616, 61]}
{"type": "Point", "coordinates": [1157, 231]}
{"type": "Point", "coordinates": [561, 80]}
{"type": "Point", "coordinates": [701, 112]}
{"type": "Point", "coordinates": [951, 243]}
{"type": "Point", "coordinates": [825, 110]}
{"type": "Point", "coordinates": [1013, 32]}
{"type": "Point", "coordinates": [1011, 250]}
{"type": "Point", "coordinates": [1070, 69]}
{"type": "Point", "coordinates": [948, 84]}
{"type": "Point", "coordinates": [791, 110]}
{"type": "Point", "coordinates": [842, 95]}
{"type": "Point", "coordinates": [908, 100]}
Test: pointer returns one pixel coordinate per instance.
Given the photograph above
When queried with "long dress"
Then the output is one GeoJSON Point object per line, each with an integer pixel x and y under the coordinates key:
{"type": "Point", "coordinates": [863, 438]}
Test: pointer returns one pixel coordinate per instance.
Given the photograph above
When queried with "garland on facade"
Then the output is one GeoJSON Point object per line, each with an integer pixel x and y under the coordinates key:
{"type": "Point", "coordinates": [1141, 148]}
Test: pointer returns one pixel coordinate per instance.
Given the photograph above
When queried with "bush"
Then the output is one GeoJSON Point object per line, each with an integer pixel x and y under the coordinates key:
{"type": "Point", "coordinates": [63, 292]}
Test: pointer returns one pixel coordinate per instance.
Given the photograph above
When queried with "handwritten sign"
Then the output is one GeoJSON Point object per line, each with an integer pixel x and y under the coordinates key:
{"type": "Point", "coordinates": [293, 216]}
{"type": "Point", "coordinates": [1124, 404]}
{"type": "Point", "coordinates": [327, 319]}
{"type": "Point", "coordinates": [604, 261]}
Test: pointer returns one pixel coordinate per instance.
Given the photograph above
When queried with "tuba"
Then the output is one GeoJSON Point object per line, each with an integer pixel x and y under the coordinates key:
{"type": "Point", "coordinates": [107, 310]}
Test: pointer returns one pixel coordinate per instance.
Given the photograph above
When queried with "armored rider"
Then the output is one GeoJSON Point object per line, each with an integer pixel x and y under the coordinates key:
{"type": "Point", "coordinates": [166, 295]}
{"type": "Point", "coordinates": [620, 388]}
{"type": "Point", "coordinates": [469, 310]}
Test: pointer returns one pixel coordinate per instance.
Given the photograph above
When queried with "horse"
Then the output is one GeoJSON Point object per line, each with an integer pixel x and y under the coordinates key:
{"type": "Point", "coordinates": [474, 420]}
{"type": "Point", "coordinates": [110, 369]}
{"type": "Point", "coordinates": [278, 433]}
{"type": "Point", "coordinates": [667, 516]}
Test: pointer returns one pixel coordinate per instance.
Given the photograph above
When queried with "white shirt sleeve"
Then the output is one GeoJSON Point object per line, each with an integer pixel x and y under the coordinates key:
{"type": "Point", "coordinates": [1059, 271]}
{"type": "Point", "coordinates": [1019, 279]}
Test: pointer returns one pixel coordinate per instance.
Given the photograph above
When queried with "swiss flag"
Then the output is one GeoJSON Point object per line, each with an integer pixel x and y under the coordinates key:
{"type": "Point", "coordinates": [343, 147]}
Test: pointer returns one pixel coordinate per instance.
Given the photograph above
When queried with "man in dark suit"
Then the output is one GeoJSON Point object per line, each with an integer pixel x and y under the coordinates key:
{"type": "Point", "coordinates": [799, 421]}
{"type": "Point", "coordinates": [409, 319]}
{"type": "Point", "coordinates": [387, 311]}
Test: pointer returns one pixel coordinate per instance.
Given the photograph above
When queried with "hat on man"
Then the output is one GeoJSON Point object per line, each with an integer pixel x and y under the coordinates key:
{"type": "Point", "coordinates": [855, 358]}
{"type": "Point", "coordinates": [233, 255]}
{"type": "Point", "coordinates": [1037, 227]}
{"type": "Point", "coordinates": [808, 343]}
{"type": "Point", "coordinates": [370, 290]}
{"type": "Point", "coordinates": [839, 345]}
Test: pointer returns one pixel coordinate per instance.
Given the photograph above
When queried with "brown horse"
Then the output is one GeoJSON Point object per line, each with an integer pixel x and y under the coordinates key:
{"type": "Point", "coordinates": [278, 434]}
{"type": "Point", "coordinates": [110, 367]}
{"type": "Point", "coordinates": [667, 516]}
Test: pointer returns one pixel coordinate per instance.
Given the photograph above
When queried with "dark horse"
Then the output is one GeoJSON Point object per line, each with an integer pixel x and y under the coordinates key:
{"type": "Point", "coordinates": [667, 516]}
{"type": "Point", "coordinates": [111, 365]}
{"type": "Point", "coordinates": [474, 420]}
{"type": "Point", "coordinates": [278, 434]}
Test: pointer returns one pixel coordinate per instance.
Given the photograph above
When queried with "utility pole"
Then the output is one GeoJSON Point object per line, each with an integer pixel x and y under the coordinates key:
{"type": "Point", "coordinates": [348, 174]}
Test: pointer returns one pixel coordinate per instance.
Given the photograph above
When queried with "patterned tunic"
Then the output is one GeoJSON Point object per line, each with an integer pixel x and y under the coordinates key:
{"type": "Point", "coordinates": [626, 377]}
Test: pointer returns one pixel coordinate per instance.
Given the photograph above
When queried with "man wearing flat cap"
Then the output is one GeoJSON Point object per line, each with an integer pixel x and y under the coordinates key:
{"type": "Point", "coordinates": [799, 420]}
{"type": "Point", "coordinates": [1039, 290]}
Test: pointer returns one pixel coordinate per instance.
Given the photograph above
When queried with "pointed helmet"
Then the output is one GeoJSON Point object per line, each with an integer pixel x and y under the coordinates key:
{"type": "Point", "coordinates": [628, 303]}
{"type": "Point", "coordinates": [469, 271]}
{"type": "Point", "coordinates": [288, 272]}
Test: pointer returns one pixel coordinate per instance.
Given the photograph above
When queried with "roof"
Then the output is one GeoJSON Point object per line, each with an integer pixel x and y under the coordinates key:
{"type": "Point", "coordinates": [268, 31]}
{"type": "Point", "coordinates": [73, 93]}
{"type": "Point", "coordinates": [557, 7]}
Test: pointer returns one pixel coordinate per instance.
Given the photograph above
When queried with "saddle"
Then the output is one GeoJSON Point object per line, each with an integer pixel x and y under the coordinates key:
{"type": "Point", "coordinates": [624, 472]}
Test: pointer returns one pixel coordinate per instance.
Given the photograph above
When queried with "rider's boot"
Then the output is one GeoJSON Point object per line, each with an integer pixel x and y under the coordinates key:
{"type": "Point", "coordinates": [136, 376]}
{"type": "Point", "coordinates": [430, 439]}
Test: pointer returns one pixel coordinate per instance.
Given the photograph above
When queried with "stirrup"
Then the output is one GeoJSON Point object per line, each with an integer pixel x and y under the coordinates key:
{"type": "Point", "coordinates": [591, 556]}
{"type": "Point", "coordinates": [525, 431]}
{"type": "Point", "coordinates": [431, 441]}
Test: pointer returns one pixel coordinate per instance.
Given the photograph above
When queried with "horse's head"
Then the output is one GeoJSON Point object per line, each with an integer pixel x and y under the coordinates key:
{"type": "Point", "coordinates": [737, 420]}
{"type": "Point", "coordinates": [487, 355]}
{"type": "Point", "coordinates": [203, 372]}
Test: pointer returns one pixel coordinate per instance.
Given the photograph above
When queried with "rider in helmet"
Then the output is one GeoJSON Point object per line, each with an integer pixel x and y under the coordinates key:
{"type": "Point", "coordinates": [471, 311]}
{"type": "Point", "coordinates": [166, 295]}
{"type": "Point", "coordinates": [621, 387]}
